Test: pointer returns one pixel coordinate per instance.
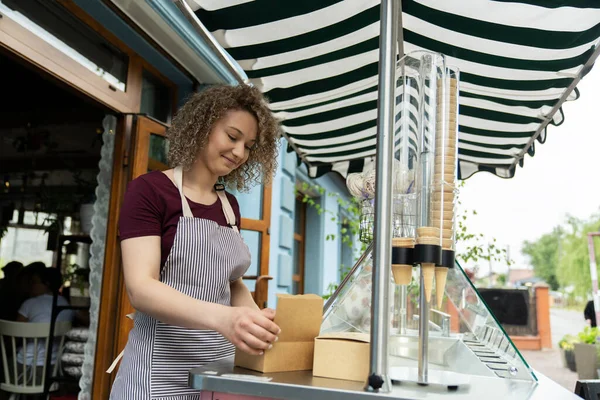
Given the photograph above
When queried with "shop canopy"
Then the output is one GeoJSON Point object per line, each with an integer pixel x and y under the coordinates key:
{"type": "Point", "coordinates": [316, 60]}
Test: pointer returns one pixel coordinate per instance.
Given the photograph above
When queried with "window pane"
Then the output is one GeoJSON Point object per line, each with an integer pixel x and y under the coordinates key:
{"type": "Point", "coordinates": [250, 203]}
{"type": "Point", "coordinates": [58, 27]}
{"type": "Point", "coordinates": [27, 239]}
{"type": "Point", "coordinates": [157, 153]}
{"type": "Point", "coordinates": [253, 239]}
{"type": "Point", "coordinates": [156, 98]}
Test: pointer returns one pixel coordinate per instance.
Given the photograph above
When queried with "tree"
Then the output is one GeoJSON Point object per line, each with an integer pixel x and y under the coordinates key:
{"type": "Point", "coordinates": [561, 257]}
{"type": "Point", "coordinates": [543, 256]}
{"type": "Point", "coordinates": [574, 266]}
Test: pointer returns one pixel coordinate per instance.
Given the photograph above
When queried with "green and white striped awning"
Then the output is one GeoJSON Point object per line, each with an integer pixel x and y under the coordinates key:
{"type": "Point", "coordinates": [316, 60]}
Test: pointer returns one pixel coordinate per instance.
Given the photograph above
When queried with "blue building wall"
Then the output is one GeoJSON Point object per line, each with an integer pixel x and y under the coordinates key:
{"type": "Point", "coordinates": [322, 257]}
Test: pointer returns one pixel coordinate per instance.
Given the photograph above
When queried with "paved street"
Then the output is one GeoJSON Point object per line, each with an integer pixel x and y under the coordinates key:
{"type": "Point", "coordinates": [549, 362]}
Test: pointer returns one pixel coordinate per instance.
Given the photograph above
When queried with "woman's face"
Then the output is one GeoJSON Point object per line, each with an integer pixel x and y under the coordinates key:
{"type": "Point", "coordinates": [229, 143]}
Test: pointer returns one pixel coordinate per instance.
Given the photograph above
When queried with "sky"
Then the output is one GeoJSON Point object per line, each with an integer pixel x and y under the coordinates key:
{"type": "Point", "coordinates": [563, 178]}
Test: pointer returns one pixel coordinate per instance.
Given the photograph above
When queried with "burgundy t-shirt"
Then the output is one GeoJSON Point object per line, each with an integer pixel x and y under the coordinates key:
{"type": "Point", "coordinates": [152, 207]}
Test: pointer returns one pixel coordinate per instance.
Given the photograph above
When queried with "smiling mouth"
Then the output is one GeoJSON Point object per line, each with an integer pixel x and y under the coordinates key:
{"type": "Point", "coordinates": [230, 161]}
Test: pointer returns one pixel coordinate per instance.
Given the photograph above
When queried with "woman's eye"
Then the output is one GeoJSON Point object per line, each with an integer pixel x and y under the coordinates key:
{"type": "Point", "coordinates": [232, 138]}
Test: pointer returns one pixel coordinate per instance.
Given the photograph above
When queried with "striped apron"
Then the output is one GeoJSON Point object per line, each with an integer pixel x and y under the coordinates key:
{"type": "Point", "coordinates": [204, 260]}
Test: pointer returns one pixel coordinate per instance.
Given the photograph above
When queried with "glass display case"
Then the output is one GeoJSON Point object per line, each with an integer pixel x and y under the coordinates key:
{"type": "Point", "coordinates": [464, 336]}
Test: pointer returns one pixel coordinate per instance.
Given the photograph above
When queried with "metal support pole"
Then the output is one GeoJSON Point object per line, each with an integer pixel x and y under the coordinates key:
{"type": "Point", "coordinates": [424, 199]}
{"type": "Point", "coordinates": [594, 274]}
{"type": "Point", "coordinates": [403, 302]}
{"type": "Point", "coordinates": [379, 379]}
{"type": "Point", "coordinates": [423, 332]}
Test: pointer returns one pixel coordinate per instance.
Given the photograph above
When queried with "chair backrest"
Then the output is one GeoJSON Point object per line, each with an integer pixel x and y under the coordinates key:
{"type": "Point", "coordinates": [28, 378]}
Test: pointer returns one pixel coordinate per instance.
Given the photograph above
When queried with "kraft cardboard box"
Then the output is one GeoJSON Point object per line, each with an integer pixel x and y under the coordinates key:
{"type": "Point", "coordinates": [343, 355]}
{"type": "Point", "coordinates": [299, 317]}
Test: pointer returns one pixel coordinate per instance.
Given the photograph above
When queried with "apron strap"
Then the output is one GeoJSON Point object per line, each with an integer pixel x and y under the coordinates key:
{"type": "Point", "coordinates": [227, 210]}
{"type": "Point", "coordinates": [116, 361]}
{"type": "Point", "coordinates": [220, 189]}
{"type": "Point", "coordinates": [185, 206]}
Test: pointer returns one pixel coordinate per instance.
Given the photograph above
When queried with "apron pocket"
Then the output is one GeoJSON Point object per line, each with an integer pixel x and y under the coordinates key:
{"type": "Point", "coordinates": [177, 350]}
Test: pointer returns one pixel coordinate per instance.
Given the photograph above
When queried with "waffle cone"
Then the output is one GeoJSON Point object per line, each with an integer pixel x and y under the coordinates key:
{"type": "Point", "coordinates": [403, 242]}
{"type": "Point", "coordinates": [428, 271]}
{"type": "Point", "coordinates": [402, 274]}
{"type": "Point", "coordinates": [441, 273]}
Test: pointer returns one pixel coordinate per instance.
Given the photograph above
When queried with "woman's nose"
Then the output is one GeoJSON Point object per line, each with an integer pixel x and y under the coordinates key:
{"type": "Point", "coordinates": [239, 149]}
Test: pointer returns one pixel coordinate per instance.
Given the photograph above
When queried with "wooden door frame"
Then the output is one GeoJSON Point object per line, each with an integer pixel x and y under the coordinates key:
{"type": "Point", "coordinates": [26, 45]}
{"type": "Point", "coordinates": [131, 151]}
{"type": "Point", "coordinates": [112, 279]}
{"type": "Point", "coordinates": [143, 128]}
{"type": "Point", "coordinates": [261, 291]}
{"type": "Point", "coordinates": [300, 237]}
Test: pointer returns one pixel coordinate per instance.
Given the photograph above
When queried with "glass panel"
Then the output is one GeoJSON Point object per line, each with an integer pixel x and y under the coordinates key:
{"type": "Point", "coordinates": [156, 98]}
{"type": "Point", "coordinates": [157, 153]}
{"type": "Point", "coordinates": [253, 239]}
{"type": "Point", "coordinates": [58, 27]}
{"type": "Point", "coordinates": [464, 336]}
{"type": "Point", "coordinates": [251, 203]}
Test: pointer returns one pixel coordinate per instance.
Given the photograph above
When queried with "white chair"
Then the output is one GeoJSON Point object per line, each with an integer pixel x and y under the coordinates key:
{"type": "Point", "coordinates": [25, 378]}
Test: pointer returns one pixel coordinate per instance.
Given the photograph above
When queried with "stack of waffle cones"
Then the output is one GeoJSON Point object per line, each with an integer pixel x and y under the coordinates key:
{"type": "Point", "coordinates": [402, 272]}
{"type": "Point", "coordinates": [444, 189]}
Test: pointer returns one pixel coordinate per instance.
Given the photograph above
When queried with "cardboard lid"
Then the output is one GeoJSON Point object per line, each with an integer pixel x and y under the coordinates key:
{"type": "Point", "coordinates": [353, 336]}
{"type": "Point", "coordinates": [299, 317]}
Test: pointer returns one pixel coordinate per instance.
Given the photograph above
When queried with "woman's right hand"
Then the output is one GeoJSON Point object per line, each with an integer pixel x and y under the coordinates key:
{"type": "Point", "coordinates": [252, 331]}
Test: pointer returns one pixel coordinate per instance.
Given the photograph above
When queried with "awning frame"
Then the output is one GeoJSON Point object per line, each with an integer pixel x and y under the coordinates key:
{"type": "Point", "coordinates": [550, 116]}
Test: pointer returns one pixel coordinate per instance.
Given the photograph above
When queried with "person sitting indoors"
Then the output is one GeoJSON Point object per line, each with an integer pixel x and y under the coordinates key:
{"type": "Point", "coordinates": [9, 299]}
{"type": "Point", "coordinates": [38, 308]}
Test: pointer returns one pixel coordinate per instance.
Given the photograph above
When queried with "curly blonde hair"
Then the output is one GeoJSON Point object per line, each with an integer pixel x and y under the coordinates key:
{"type": "Point", "coordinates": [191, 126]}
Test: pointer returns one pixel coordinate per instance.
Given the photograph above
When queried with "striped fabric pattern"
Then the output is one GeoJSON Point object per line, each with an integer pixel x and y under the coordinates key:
{"type": "Point", "coordinates": [205, 258]}
{"type": "Point", "coordinates": [316, 60]}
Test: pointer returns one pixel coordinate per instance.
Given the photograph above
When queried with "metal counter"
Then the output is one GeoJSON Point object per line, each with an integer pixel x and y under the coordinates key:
{"type": "Point", "coordinates": [223, 377]}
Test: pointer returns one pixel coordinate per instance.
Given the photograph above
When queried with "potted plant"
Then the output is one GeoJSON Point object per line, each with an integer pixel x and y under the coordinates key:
{"type": "Point", "coordinates": [567, 350]}
{"type": "Point", "coordinates": [586, 357]}
{"type": "Point", "coordinates": [78, 279]}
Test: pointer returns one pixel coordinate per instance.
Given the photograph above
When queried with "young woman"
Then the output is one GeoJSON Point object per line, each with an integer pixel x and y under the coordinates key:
{"type": "Point", "coordinates": [183, 256]}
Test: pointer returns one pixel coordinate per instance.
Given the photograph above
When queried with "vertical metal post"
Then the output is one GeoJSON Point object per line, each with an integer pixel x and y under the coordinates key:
{"type": "Point", "coordinates": [424, 201]}
{"type": "Point", "coordinates": [594, 274]}
{"type": "Point", "coordinates": [424, 197]}
{"type": "Point", "coordinates": [379, 379]}
{"type": "Point", "coordinates": [403, 302]}
{"type": "Point", "coordinates": [402, 322]}
{"type": "Point", "coordinates": [423, 332]}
